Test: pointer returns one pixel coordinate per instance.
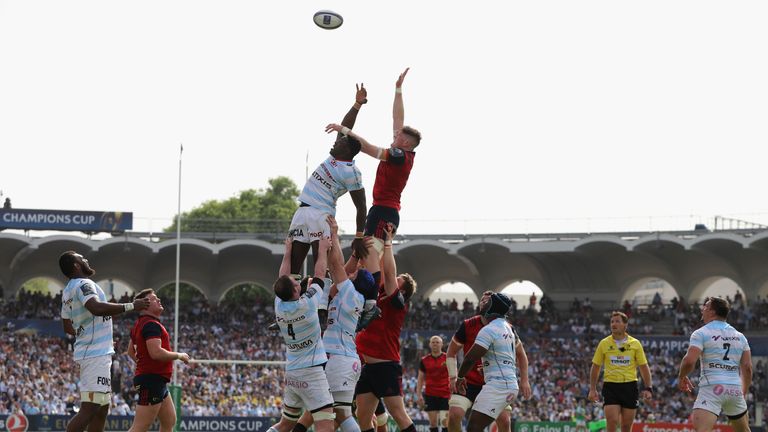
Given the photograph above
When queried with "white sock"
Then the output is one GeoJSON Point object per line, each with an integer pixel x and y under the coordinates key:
{"type": "Point", "coordinates": [350, 425]}
{"type": "Point", "coordinates": [272, 429]}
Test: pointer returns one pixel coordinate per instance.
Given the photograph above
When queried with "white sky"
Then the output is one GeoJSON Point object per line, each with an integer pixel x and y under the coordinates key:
{"type": "Point", "coordinates": [536, 115]}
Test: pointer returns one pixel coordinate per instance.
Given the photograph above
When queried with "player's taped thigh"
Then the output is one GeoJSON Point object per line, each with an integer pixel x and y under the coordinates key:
{"type": "Point", "coordinates": [323, 415]}
{"type": "Point", "coordinates": [344, 408]}
{"type": "Point", "coordinates": [381, 419]}
{"type": "Point", "coordinates": [460, 401]}
{"type": "Point", "coordinates": [291, 413]}
{"type": "Point", "coordinates": [378, 245]}
{"type": "Point", "coordinates": [97, 398]}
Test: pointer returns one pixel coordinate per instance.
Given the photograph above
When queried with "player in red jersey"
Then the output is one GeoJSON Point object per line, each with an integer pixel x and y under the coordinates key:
{"type": "Point", "coordinates": [464, 338]}
{"type": "Point", "coordinates": [379, 345]}
{"type": "Point", "coordinates": [394, 169]}
{"type": "Point", "coordinates": [150, 348]}
{"type": "Point", "coordinates": [434, 373]}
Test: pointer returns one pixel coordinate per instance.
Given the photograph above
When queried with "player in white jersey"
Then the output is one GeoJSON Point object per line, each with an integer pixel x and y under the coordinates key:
{"type": "Point", "coordinates": [496, 344]}
{"type": "Point", "coordinates": [306, 385]}
{"type": "Point", "coordinates": [330, 180]}
{"type": "Point", "coordinates": [348, 300]}
{"type": "Point", "coordinates": [86, 314]}
{"type": "Point", "coordinates": [726, 369]}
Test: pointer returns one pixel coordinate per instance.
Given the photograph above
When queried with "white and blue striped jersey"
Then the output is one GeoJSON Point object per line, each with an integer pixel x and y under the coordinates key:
{"type": "Point", "coordinates": [300, 328]}
{"type": "Point", "coordinates": [332, 179]}
{"type": "Point", "coordinates": [499, 367]}
{"type": "Point", "coordinates": [343, 315]}
{"type": "Point", "coordinates": [721, 348]}
{"type": "Point", "coordinates": [94, 333]}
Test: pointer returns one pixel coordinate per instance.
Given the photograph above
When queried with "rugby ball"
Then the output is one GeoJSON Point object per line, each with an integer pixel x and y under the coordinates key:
{"type": "Point", "coordinates": [328, 20]}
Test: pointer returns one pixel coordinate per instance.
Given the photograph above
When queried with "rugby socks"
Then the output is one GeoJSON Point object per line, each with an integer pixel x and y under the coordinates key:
{"type": "Point", "coordinates": [368, 430]}
{"type": "Point", "coordinates": [410, 428]}
{"type": "Point", "coordinates": [299, 428]}
{"type": "Point", "coordinates": [272, 429]}
{"type": "Point", "coordinates": [434, 429]}
{"type": "Point", "coordinates": [349, 425]}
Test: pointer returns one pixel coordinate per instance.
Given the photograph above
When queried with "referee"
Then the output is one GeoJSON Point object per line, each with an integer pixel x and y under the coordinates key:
{"type": "Point", "coordinates": [622, 355]}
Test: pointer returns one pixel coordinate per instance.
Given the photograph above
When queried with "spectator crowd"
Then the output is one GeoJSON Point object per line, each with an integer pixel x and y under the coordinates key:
{"type": "Point", "coordinates": [38, 375]}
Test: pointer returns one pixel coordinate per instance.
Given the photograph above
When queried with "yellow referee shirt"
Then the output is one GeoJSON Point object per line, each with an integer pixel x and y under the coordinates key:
{"type": "Point", "coordinates": [620, 362]}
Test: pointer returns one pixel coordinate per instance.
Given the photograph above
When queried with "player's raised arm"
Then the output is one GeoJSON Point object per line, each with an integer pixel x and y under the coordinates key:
{"type": "Point", "coordinates": [365, 146]}
{"type": "Point", "coordinates": [321, 261]}
{"type": "Point", "coordinates": [358, 244]}
{"type": "Point", "coordinates": [361, 98]}
{"type": "Point", "coordinates": [398, 110]}
{"type": "Point", "coordinates": [285, 264]}
{"type": "Point", "coordinates": [100, 308]}
{"type": "Point", "coordinates": [389, 268]}
{"type": "Point", "coordinates": [335, 255]}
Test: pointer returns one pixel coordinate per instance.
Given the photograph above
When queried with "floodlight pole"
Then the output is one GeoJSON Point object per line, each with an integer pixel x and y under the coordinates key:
{"type": "Point", "coordinates": [178, 264]}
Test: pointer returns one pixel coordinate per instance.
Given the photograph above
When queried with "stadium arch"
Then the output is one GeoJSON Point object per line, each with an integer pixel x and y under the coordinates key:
{"type": "Point", "coordinates": [645, 287]}
{"type": "Point", "coordinates": [255, 288]}
{"type": "Point", "coordinates": [717, 285]}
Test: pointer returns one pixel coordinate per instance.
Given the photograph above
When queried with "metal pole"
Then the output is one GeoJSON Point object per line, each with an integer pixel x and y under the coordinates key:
{"type": "Point", "coordinates": [178, 263]}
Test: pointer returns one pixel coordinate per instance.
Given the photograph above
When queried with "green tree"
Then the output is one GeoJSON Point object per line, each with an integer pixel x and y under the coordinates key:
{"type": "Point", "coordinates": [252, 210]}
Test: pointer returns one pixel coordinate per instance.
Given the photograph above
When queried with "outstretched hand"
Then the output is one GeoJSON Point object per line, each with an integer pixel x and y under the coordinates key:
{"type": "Point", "coordinates": [361, 96]}
{"type": "Point", "coordinates": [333, 127]}
{"type": "Point", "coordinates": [359, 248]}
{"type": "Point", "coordinates": [401, 78]}
{"type": "Point", "coordinates": [333, 226]}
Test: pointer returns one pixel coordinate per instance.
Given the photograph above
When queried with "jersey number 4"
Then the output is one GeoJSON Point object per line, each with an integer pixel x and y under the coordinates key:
{"type": "Point", "coordinates": [290, 331]}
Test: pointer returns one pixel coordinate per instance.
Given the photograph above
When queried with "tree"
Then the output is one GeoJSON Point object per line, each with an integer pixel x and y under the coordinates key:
{"type": "Point", "coordinates": [252, 210]}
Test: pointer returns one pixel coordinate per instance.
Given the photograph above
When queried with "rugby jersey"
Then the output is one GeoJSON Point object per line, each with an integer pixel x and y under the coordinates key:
{"type": "Point", "coordinates": [93, 333]}
{"type": "Point", "coordinates": [620, 359]}
{"type": "Point", "coordinates": [391, 178]}
{"type": "Point", "coordinates": [499, 367]}
{"type": "Point", "coordinates": [466, 335]}
{"type": "Point", "coordinates": [343, 314]}
{"type": "Point", "coordinates": [721, 348]}
{"type": "Point", "coordinates": [300, 328]}
{"type": "Point", "coordinates": [330, 180]}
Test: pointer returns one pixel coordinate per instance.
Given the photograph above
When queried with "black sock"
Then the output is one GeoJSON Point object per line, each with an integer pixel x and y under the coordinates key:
{"type": "Point", "coordinates": [410, 428]}
{"type": "Point", "coordinates": [299, 428]}
{"type": "Point", "coordinates": [434, 429]}
{"type": "Point", "coordinates": [368, 430]}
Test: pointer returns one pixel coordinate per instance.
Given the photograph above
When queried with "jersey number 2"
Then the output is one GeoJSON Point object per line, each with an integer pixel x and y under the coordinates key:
{"type": "Point", "coordinates": [727, 348]}
{"type": "Point", "coordinates": [290, 331]}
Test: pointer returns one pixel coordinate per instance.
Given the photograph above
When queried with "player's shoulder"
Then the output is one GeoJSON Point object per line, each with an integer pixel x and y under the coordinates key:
{"type": "Point", "coordinates": [605, 341]}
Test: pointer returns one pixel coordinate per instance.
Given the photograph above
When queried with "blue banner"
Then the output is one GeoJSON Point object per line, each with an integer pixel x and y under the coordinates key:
{"type": "Point", "coordinates": [65, 220]}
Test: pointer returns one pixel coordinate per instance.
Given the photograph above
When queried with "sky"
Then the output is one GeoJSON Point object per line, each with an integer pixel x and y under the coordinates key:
{"type": "Point", "coordinates": [548, 116]}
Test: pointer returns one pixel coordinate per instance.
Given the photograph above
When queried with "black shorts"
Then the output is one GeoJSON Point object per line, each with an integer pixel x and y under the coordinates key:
{"type": "Point", "coordinates": [435, 403]}
{"type": "Point", "coordinates": [377, 220]}
{"type": "Point", "coordinates": [472, 391]}
{"type": "Point", "coordinates": [382, 379]}
{"type": "Point", "coordinates": [152, 388]}
{"type": "Point", "coordinates": [624, 394]}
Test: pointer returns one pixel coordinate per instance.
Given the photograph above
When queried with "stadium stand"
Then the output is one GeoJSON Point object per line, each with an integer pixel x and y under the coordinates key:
{"type": "Point", "coordinates": [38, 376]}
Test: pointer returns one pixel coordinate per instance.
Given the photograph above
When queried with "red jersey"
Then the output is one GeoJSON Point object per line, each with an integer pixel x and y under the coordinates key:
{"type": "Point", "coordinates": [148, 327]}
{"type": "Point", "coordinates": [391, 177]}
{"type": "Point", "coordinates": [466, 335]}
{"type": "Point", "coordinates": [435, 376]}
{"type": "Point", "coordinates": [381, 339]}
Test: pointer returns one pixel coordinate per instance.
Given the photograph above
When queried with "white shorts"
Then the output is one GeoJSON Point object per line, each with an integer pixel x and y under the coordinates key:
{"type": "Point", "coordinates": [343, 373]}
{"type": "Point", "coordinates": [307, 388]}
{"type": "Point", "coordinates": [492, 401]}
{"type": "Point", "coordinates": [308, 225]}
{"type": "Point", "coordinates": [725, 398]}
{"type": "Point", "coordinates": [95, 374]}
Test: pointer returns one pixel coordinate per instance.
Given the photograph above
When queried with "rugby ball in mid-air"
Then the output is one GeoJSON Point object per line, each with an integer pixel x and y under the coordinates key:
{"type": "Point", "coordinates": [328, 20]}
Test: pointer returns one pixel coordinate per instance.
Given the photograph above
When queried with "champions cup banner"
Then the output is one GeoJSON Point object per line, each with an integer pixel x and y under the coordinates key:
{"type": "Point", "coordinates": [56, 423]}
{"type": "Point", "coordinates": [65, 220]}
